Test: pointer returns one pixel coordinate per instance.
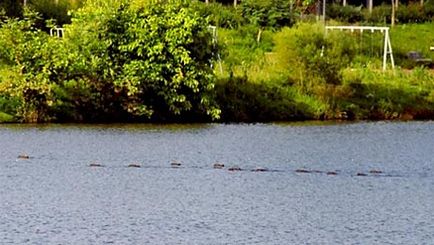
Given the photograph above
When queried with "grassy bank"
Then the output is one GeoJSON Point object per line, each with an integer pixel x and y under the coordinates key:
{"type": "Point", "coordinates": [284, 76]}
{"type": "Point", "coordinates": [273, 67]}
{"type": "Point", "coordinates": [4, 117]}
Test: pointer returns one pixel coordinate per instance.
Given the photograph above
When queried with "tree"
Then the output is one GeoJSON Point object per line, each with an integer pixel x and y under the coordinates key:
{"type": "Point", "coordinates": [11, 8]}
{"type": "Point", "coordinates": [117, 61]}
{"type": "Point", "coordinates": [31, 57]}
{"type": "Point", "coordinates": [267, 13]}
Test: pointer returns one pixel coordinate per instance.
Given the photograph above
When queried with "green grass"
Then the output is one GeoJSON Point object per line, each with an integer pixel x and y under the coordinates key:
{"type": "Point", "coordinates": [412, 37]}
{"type": "Point", "coordinates": [253, 70]}
{"type": "Point", "coordinates": [5, 118]}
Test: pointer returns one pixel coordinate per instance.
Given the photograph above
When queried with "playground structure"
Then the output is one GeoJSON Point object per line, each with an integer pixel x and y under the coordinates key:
{"type": "Point", "coordinates": [387, 47]}
{"type": "Point", "coordinates": [56, 32]}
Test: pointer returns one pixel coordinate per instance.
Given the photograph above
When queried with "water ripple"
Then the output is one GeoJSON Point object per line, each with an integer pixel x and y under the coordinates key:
{"type": "Point", "coordinates": [56, 198]}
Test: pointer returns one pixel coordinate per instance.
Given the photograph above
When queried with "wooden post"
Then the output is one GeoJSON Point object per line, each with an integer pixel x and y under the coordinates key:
{"type": "Point", "coordinates": [344, 3]}
{"type": "Point", "coordinates": [235, 3]}
{"type": "Point", "coordinates": [25, 2]}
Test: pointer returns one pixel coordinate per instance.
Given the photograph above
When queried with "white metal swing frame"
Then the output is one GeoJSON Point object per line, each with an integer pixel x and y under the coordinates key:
{"type": "Point", "coordinates": [387, 44]}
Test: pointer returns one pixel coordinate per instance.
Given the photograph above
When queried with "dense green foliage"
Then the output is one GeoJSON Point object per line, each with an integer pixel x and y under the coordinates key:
{"type": "Point", "coordinates": [267, 13]}
{"type": "Point", "coordinates": [406, 13]}
{"type": "Point", "coordinates": [49, 9]}
{"type": "Point", "coordinates": [156, 60]}
{"type": "Point", "coordinates": [11, 8]}
{"type": "Point", "coordinates": [221, 15]}
{"type": "Point", "coordinates": [116, 62]}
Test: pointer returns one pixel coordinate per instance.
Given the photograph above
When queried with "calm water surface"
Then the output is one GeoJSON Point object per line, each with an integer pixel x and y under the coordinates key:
{"type": "Point", "coordinates": [56, 198]}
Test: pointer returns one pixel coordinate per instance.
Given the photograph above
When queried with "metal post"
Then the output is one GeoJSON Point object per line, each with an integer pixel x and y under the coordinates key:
{"type": "Point", "coordinates": [386, 36]}
{"type": "Point", "coordinates": [390, 50]}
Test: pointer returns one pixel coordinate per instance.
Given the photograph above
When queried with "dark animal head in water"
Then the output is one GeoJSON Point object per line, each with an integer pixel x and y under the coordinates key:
{"type": "Point", "coordinates": [175, 164]}
{"type": "Point", "coordinates": [23, 156]}
{"type": "Point", "coordinates": [218, 165]}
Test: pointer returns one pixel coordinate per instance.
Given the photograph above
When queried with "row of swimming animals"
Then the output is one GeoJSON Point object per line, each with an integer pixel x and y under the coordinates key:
{"type": "Point", "coordinates": [175, 164]}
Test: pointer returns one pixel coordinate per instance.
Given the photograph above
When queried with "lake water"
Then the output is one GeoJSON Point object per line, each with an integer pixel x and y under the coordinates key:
{"type": "Point", "coordinates": [56, 198]}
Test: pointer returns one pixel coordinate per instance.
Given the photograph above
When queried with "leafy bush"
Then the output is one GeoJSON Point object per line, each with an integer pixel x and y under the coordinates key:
{"type": "Point", "coordinates": [8, 107]}
{"type": "Point", "coordinates": [406, 13]}
{"type": "Point", "coordinates": [411, 13]}
{"type": "Point", "coordinates": [115, 62]}
{"type": "Point", "coordinates": [379, 15]}
{"type": "Point", "coordinates": [4, 117]}
{"type": "Point", "coordinates": [221, 15]}
{"type": "Point", "coordinates": [11, 8]}
{"type": "Point", "coordinates": [244, 101]}
{"type": "Point", "coordinates": [30, 54]}
{"type": "Point", "coordinates": [349, 13]}
{"type": "Point", "coordinates": [429, 9]}
{"type": "Point", "coordinates": [241, 50]}
{"type": "Point", "coordinates": [49, 9]}
{"type": "Point", "coordinates": [310, 57]}
{"type": "Point", "coordinates": [267, 13]}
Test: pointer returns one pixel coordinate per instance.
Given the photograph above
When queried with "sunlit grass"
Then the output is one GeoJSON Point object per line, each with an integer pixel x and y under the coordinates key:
{"type": "Point", "coordinates": [4, 117]}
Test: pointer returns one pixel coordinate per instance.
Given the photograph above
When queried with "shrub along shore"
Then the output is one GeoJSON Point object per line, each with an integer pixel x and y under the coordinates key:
{"type": "Point", "coordinates": [158, 61]}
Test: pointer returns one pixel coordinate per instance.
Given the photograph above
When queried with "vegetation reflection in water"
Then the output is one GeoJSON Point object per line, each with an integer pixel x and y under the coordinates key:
{"type": "Point", "coordinates": [114, 126]}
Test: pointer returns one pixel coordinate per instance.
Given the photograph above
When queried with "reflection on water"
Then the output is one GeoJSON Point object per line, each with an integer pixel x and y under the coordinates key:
{"type": "Point", "coordinates": [55, 197]}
